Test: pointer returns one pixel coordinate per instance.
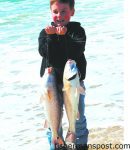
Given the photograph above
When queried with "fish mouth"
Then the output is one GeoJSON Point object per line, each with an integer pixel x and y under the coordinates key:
{"type": "Point", "coordinates": [73, 77]}
{"type": "Point", "coordinates": [70, 61]}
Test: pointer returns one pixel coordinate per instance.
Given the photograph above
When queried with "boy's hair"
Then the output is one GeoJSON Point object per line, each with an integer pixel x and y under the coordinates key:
{"type": "Point", "coordinates": [70, 2]}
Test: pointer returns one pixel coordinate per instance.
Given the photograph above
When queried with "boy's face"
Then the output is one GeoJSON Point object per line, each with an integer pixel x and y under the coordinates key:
{"type": "Point", "coordinates": [61, 13]}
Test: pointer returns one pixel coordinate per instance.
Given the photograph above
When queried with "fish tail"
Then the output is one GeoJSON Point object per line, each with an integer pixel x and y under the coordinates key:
{"type": "Point", "coordinates": [58, 141]}
{"type": "Point", "coordinates": [70, 137]}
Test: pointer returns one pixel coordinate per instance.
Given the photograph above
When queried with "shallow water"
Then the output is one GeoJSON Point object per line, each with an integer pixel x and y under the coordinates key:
{"type": "Point", "coordinates": [21, 114]}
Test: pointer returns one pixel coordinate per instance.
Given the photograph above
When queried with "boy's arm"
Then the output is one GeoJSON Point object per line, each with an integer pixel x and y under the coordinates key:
{"type": "Point", "coordinates": [76, 43]}
{"type": "Point", "coordinates": [48, 36]}
{"type": "Point", "coordinates": [45, 40]}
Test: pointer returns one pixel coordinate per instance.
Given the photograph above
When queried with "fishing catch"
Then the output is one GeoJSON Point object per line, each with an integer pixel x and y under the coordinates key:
{"type": "Point", "coordinates": [50, 99]}
{"type": "Point", "coordinates": [72, 91]}
{"type": "Point", "coordinates": [51, 104]}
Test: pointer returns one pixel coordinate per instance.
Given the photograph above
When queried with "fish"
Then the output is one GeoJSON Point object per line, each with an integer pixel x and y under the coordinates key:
{"type": "Point", "coordinates": [50, 100]}
{"type": "Point", "coordinates": [71, 92]}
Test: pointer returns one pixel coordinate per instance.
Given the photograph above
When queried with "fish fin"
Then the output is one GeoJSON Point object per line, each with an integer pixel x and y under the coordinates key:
{"type": "Point", "coordinates": [46, 94]}
{"type": "Point", "coordinates": [81, 90]}
{"type": "Point", "coordinates": [70, 137]}
{"type": "Point", "coordinates": [49, 95]}
{"type": "Point", "coordinates": [60, 141]}
{"type": "Point", "coordinates": [46, 124]}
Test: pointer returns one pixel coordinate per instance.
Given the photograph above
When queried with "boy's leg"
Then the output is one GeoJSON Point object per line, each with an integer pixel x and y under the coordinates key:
{"type": "Point", "coordinates": [81, 124]}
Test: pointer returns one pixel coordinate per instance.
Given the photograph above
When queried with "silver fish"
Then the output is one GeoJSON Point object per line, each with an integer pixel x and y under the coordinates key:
{"type": "Point", "coordinates": [72, 90]}
{"type": "Point", "coordinates": [51, 104]}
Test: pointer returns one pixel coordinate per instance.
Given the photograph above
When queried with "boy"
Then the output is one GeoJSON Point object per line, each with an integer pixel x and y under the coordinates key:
{"type": "Point", "coordinates": [60, 41]}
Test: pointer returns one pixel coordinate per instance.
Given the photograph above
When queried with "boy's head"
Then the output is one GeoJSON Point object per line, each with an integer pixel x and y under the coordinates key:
{"type": "Point", "coordinates": [62, 10]}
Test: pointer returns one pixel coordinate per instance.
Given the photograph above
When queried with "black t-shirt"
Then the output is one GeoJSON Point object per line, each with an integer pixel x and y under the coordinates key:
{"type": "Point", "coordinates": [57, 49]}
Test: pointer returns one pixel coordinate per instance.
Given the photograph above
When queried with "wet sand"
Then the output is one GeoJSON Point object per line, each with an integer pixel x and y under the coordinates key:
{"type": "Point", "coordinates": [106, 136]}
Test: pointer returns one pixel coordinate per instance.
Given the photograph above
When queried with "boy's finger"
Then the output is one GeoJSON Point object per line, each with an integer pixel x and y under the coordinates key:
{"type": "Point", "coordinates": [46, 29]}
{"type": "Point", "coordinates": [57, 30]}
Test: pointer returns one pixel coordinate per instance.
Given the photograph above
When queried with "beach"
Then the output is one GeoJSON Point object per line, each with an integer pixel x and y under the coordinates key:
{"type": "Point", "coordinates": [105, 136]}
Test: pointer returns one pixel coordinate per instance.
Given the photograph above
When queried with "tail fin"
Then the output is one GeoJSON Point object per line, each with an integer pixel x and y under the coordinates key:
{"type": "Point", "coordinates": [58, 142]}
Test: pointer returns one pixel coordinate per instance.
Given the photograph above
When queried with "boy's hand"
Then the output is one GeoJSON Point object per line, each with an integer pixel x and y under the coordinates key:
{"type": "Point", "coordinates": [61, 30]}
{"type": "Point", "coordinates": [50, 30]}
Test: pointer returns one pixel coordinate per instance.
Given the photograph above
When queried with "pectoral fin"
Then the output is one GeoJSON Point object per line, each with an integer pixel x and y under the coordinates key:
{"type": "Point", "coordinates": [46, 124]}
{"type": "Point", "coordinates": [49, 95]}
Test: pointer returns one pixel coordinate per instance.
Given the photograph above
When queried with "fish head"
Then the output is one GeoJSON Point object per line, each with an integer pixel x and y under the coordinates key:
{"type": "Point", "coordinates": [70, 69]}
{"type": "Point", "coordinates": [71, 78]}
